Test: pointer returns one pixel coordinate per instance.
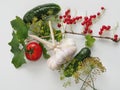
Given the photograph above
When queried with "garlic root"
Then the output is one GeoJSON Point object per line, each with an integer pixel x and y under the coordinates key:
{"type": "Point", "coordinates": [48, 44]}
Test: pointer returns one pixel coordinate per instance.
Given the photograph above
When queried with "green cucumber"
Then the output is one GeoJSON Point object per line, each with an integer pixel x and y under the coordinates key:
{"type": "Point", "coordinates": [84, 53]}
{"type": "Point", "coordinates": [41, 11]}
{"type": "Point", "coordinates": [72, 66]}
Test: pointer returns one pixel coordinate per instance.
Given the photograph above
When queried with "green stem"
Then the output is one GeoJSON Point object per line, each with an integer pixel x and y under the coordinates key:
{"type": "Point", "coordinates": [88, 84]}
{"type": "Point", "coordinates": [84, 81]}
{"type": "Point", "coordinates": [92, 82]}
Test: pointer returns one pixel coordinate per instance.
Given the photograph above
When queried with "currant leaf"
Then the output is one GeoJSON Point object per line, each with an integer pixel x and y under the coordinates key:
{"type": "Point", "coordinates": [89, 40]}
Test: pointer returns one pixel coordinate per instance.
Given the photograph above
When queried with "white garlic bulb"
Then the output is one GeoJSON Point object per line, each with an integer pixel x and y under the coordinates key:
{"type": "Point", "coordinates": [63, 53]}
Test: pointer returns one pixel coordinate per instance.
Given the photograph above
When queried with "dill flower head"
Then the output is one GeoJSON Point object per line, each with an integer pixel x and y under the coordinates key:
{"type": "Point", "coordinates": [87, 71]}
{"type": "Point", "coordinates": [92, 63]}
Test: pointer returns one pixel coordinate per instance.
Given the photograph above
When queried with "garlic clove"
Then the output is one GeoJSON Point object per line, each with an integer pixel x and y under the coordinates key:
{"type": "Point", "coordinates": [52, 63]}
{"type": "Point", "coordinates": [53, 66]}
{"type": "Point", "coordinates": [69, 51]}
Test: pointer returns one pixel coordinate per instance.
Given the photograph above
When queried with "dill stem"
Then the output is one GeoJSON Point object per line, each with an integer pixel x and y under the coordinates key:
{"type": "Point", "coordinates": [84, 81]}
{"type": "Point", "coordinates": [92, 82]}
{"type": "Point", "coordinates": [88, 84]}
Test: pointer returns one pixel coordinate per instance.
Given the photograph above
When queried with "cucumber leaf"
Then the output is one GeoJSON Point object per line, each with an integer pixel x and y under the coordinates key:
{"type": "Point", "coordinates": [20, 33]}
{"type": "Point", "coordinates": [14, 43]}
{"type": "Point", "coordinates": [18, 58]}
{"type": "Point", "coordinates": [20, 27]}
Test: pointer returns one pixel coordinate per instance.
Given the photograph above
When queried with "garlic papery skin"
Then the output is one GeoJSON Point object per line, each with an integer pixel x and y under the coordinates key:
{"type": "Point", "coordinates": [67, 41]}
{"type": "Point", "coordinates": [63, 53]}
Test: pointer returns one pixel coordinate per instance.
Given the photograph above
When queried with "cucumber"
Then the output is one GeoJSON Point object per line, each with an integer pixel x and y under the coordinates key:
{"type": "Point", "coordinates": [72, 66]}
{"type": "Point", "coordinates": [41, 11]}
{"type": "Point", "coordinates": [84, 53]}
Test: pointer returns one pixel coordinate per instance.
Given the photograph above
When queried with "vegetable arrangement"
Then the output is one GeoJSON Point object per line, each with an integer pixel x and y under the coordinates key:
{"type": "Point", "coordinates": [36, 33]}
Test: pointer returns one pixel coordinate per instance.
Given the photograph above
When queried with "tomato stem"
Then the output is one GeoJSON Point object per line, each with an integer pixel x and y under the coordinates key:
{"type": "Point", "coordinates": [30, 51]}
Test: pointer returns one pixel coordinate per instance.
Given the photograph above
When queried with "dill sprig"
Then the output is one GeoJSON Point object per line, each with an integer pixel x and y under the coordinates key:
{"type": "Point", "coordinates": [87, 71]}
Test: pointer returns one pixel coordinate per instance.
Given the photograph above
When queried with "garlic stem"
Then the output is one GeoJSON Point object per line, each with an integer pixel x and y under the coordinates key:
{"type": "Point", "coordinates": [52, 34]}
{"type": "Point", "coordinates": [48, 44]}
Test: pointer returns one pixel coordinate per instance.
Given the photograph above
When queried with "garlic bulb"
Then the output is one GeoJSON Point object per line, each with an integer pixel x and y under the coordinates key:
{"type": "Point", "coordinates": [63, 51]}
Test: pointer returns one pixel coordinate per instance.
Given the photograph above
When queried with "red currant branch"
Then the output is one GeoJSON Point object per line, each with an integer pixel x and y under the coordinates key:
{"type": "Point", "coordinates": [95, 36]}
{"type": "Point", "coordinates": [87, 22]}
{"type": "Point", "coordinates": [102, 37]}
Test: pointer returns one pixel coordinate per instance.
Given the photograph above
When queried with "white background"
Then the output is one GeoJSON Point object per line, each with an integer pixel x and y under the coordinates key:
{"type": "Point", "coordinates": [36, 75]}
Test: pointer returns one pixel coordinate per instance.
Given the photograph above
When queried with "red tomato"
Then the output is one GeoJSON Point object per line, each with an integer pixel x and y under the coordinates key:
{"type": "Point", "coordinates": [33, 51]}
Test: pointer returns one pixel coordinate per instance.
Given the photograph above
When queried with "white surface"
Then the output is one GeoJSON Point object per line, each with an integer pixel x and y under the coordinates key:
{"type": "Point", "coordinates": [37, 76]}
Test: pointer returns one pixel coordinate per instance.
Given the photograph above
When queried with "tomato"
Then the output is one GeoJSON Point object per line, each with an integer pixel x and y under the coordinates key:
{"type": "Point", "coordinates": [33, 51]}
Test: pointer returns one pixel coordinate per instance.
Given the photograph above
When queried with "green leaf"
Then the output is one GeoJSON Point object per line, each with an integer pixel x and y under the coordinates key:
{"type": "Point", "coordinates": [20, 33]}
{"type": "Point", "coordinates": [20, 27]}
{"type": "Point", "coordinates": [14, 43]}
{"type": "Point", "coordinates": [45, 53]}
{"type": "Point", "coordinates": [18, 59]}
{"type": "Point", "coordinates": [89, 40]}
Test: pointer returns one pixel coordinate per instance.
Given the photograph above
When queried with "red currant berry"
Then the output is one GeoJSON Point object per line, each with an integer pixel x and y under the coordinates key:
{"type": "Point", "coordinates": [69, 16]}
{"type": "Point", "coordinates": [67, 12]}
{"type": "Point", "coordinates": [90, 31]}
{"type": "Point", "coordinates": [64, 16]}
{"type": "Point", "coordinates": [115, 35]}
{"type": "Point", "coordinates": [85, 18]}
{"type": "Point", "coordinates": [84, 32]}
{"type": "Point", "coordinates": [104, 27]}
{"type": "Point", "coordinates": [86, 28]}
{"type": "Point", "coordinates": [102, 8]}
{"type": "Point", "coordinates": [83, 23]}
{"type": "Point", "coordinates": [108, 27]}
{"type": "Point", "coordinates": [80, 17]}
{"type": "Point", "coordinates": [89, 23]}
{"type": "Point", "coordinates": [100, 33]}
{"type": "Point", "coordinates": [60, 17]}
{"type": "Point", "coordinates": [94, 16]}
{"type": "Point", "coordinates": [101, 29]}
{"type": "Point", "coordinates": [59, 25]}
{"type": "Point", "coordinates": [98, 13]}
